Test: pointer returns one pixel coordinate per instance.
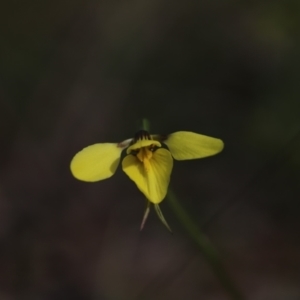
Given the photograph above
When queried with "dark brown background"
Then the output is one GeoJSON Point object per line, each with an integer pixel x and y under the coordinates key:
{"type": "Point", "coordinates": [77, 72]}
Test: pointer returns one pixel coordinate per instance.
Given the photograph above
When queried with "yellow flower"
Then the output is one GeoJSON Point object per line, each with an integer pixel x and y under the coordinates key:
{"type": "Point", "coordinates": [148, 160]}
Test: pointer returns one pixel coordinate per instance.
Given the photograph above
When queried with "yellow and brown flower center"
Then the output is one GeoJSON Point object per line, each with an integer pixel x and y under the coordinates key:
{"type": "Point", "coordinates": [144, 155]}
{"type": "Point", "coordinates": [143, 148]}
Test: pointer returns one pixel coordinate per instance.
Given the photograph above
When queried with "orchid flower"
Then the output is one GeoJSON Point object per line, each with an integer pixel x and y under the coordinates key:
{"type": "Point", "coordinates": [148, 161]}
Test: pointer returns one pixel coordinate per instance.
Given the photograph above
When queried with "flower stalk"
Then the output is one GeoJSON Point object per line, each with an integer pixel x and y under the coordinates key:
{"type": "Point", "coordinates": [203, 244]}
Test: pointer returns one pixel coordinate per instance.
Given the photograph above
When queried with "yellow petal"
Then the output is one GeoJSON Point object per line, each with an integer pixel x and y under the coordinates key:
{"type": "Point", "coordinates": [154, 181]}
{"type": "Point", "coordinates": [189, 145]}
{"type": "Point", "coordinates": [96, 162]}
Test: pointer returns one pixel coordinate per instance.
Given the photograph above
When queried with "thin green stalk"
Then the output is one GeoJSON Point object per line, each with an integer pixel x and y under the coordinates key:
{"type": "Point", "coordinates": [204, 245]}
{"type": "Point", "coordinates": [145, 124]}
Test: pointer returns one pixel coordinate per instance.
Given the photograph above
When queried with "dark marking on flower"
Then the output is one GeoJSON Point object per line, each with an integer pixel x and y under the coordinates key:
{"type": "Point", "coordinates": [152, 148]}
{"type": "Point", "coordinates": [163, 137]}
{"type": "Point", "coordinates": [135, 152]}
{"type": "Point", "coordinates": [159, 137]}
{"type": "Point", "coordinates": [141, 135]}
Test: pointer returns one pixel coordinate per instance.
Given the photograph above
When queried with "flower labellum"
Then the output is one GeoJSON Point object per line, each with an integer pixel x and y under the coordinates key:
{"type": "Point", "coordinates": [148, 161]}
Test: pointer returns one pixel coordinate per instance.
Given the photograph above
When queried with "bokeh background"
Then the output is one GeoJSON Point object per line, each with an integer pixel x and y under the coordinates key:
{"type": "Point", "coordinates": [74, 73]}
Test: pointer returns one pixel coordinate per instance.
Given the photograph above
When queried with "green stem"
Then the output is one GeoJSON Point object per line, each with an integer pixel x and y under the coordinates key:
{"type": "Point", "coordinates": [146, 124]}
{"type": "Point", "coordinates": [205, 246]}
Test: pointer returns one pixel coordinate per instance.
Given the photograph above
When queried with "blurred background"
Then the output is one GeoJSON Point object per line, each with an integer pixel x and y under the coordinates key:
{"type": "Point", "coordinates": [74, 73]}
